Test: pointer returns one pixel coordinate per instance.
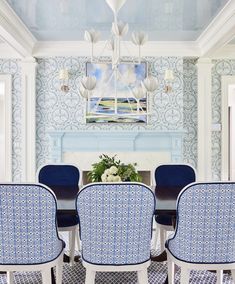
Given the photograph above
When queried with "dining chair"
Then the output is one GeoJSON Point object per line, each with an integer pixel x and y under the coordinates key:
{"type": "Point", "coordinates": [205, 231]}
{"type": "Point", "coordinates": [29, 239]}
{"type": "Point", "coordinates": [116, 228]}
{"type": "Point", "coordinates": [63, 180]}
{"type": "Point", "coordinates": [170, 180]}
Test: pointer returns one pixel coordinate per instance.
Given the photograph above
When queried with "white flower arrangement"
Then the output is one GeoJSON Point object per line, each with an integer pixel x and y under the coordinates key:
{"type": "Point", "coordinates": [110, 175]}
{"type": "Point", "coordinates": [109, 169]}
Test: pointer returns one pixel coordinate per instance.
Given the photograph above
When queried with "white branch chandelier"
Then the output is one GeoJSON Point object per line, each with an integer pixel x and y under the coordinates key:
{"type": "Point", "coordinates": [118, 31]}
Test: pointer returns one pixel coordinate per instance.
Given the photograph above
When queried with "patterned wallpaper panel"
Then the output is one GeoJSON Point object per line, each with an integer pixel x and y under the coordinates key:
{"type": "Point", "coordinates": [190, 111]}
{"type": "Point", "coordinates": [12, 66]}
{"type": "Point", "coordinates": [220, 68]}
{"type": "Point", "coordinates": [59, 111]}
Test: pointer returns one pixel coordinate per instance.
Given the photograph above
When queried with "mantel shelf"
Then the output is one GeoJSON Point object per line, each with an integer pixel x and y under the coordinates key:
{"type": "Point", "coordinates": [117, 141]}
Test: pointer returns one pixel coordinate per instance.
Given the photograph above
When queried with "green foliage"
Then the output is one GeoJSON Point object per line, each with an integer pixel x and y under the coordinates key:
{"type": "Point", "coordinates": [126, 172]}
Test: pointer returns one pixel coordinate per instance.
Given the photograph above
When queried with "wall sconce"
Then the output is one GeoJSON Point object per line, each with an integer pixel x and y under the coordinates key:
{"type": "Point", "coordinates": [64, 79]}
{"type": "Point", "coordinates": [169, 78]}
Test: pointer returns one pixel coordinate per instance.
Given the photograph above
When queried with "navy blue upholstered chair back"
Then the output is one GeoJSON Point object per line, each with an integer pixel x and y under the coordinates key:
{"type": "Point", "coordinates": [205, 231]}
{"type": "Point", "coordinates": [62, 179]}
{"type": "Point", "coordinates": [28, 225]}
{"type": "Point", "coordinates": [174, 177]}
{"type": "Point", "coordinates": [116, 223]}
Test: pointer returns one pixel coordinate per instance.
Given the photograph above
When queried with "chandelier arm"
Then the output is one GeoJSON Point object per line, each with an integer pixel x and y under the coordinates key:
{"type": "Point", "coordinates": [130, 91]}
{"type": "Point", "coordinates": [88, 102]}
{"type": "Point", "coordinates": [138, 106]}
{"type": "Point", "coordinates": [96, 106]}
{"type": "Point", "coordinates": [128, 51]}
{"type": "Point", "coordinates": [111, 76]}
{"type": "Point", "coordinates": [139, 60]}
{"type": "Point", "coordinates": [128, 88]}
{"type": "Point", "coordinates": [92, 52]}
{"type": "Point", "coordinates": [115, 87]}
{"type": "Point", "coordinates": [102, 51]}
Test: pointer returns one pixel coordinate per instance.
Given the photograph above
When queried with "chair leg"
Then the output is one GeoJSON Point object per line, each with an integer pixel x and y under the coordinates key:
{"type": "Point", "coordinates": [219, 274]}
{"type": "Point", "coordinates": [171, 271]}
{"type": "Point", "coordinates": [162, 239]}
{"type": "Point", "coordinates": [155, 237]}
{"type": "Point", "coordinates": [46, 275]}
{"type": "Point", "coordinates": [72, 245]}
{"type": "Point", "coordinates": [10, 277]}
{"type": "Point", "coordinates": [184, 276]}
{"type": "Point", "coordinates": [233, 275]}
{"type": "Point", "coordinates": [78, 240]}
{"type": "Point", "coordinates": [142, 276]}
{"type": "Point", "coordinates": [90, 276]}
{"type": "Point", "coordinates": [59, 270]}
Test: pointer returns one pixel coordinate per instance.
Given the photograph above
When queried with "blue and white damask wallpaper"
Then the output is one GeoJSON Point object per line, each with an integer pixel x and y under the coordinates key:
{"type": "Point", "coordinates": [12, 66]}
{"type": "Point", "coordinates": [190, 111]}
{"type": "Point", "coordinates": [60, 111]}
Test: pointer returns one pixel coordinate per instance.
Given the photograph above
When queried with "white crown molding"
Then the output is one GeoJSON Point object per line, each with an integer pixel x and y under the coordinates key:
{"type": "Point", "coordinates": [14, 32]}
{"type": "Point", "coordinates": [219, 32]}
{"type": "Point", "coordinates": [8, 52]}
{"type": "Point", "coordinates": [226, 52]}
{"type": "Point", "coordinates": [82, 48]}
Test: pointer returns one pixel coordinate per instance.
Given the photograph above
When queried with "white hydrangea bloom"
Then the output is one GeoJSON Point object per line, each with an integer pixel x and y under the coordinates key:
{"type": "Point", "coordinates": [117, 178]}
{"type": "Point", "coordinates": [107, 172]}
{"type": "Point", "coordinates": [110, 178]}
{"type": "Point", "coordinates": [104, 177]}
{"type": "Point", "coordinates": [113, 170]}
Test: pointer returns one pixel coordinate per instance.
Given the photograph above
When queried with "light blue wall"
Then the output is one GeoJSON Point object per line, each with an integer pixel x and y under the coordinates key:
{"type": "Point", "coordinates": [60, 111]}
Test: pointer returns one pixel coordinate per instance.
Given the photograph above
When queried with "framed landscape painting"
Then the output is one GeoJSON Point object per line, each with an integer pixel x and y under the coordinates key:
{"type": "Point", "coordinates": [113, 100]}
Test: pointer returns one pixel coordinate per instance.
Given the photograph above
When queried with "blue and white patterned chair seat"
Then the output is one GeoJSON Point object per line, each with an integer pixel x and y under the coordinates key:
{"type": "Point", "coordinates": [116, 224]}
{"type": "Point", "coordinates": [28, 230]}
{"type": "Point", "coordinates": [205, 231]}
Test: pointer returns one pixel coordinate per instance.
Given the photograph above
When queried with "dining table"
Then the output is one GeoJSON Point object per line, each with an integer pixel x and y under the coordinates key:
{"type": "Point", "coordinates": [165, 202]}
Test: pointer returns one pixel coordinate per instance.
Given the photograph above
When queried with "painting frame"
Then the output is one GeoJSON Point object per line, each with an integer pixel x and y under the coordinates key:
{"type": "Point", "coordinates": [102, 107]}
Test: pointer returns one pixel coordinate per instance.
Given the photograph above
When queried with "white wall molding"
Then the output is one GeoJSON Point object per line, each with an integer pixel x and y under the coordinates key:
{"type": "Point", "coordinates": [29, 119]}
{"type": "Point", "coordinates": [82, 48]}
{"type": "Point", "coordinates": [7, 52]}
{"type": "Point", "coordinates": [6, 78]}
{"type": "Point", "coordinates": [14, 32]}
{"type": "Point", "coordinates": [219, 32]}
{"type": "Point", "coordinates": [226, 52]}
{"type": "Point", "coordinates": [225, 82]}
{"type": "Point", "coordinates": [204, 119]}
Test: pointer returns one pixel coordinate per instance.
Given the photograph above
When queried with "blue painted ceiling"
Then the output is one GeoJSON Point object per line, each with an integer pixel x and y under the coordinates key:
{"type": "Point", "coordinates": [181, 20]}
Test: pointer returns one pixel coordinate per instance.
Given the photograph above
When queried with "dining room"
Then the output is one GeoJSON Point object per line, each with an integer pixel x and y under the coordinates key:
{"type": "Point", "coordinates": [117, 141]}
